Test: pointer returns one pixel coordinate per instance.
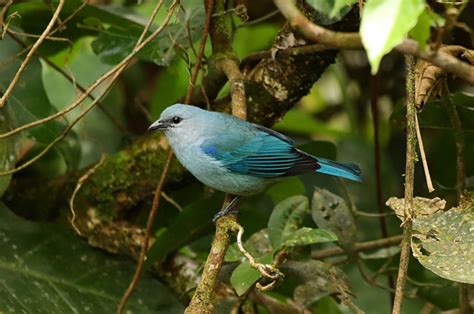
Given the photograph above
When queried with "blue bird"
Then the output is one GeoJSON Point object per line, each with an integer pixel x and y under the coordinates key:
{"type": "Point", "coordinates": [236, 156]}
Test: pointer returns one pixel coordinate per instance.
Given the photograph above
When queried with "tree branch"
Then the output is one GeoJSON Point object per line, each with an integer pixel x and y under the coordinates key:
{"type": "Point", "coordinates": [159, 187]}
{"type": "Point", "coordinates": [203, 298]}
{"type": "Point", "coordinates": [321, 35]}
{"type": "Point", "coordinates": [409, 183]}
{"type": "Point", "coordinates": [362, 246]}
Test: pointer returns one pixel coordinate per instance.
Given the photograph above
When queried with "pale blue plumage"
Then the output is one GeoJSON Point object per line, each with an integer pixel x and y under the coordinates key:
{"type": "Point", "coordinates": [236, 156]}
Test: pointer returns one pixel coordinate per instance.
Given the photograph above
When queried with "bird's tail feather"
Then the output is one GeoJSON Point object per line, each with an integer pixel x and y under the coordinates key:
{"type": "Point", "coordinates": [347, 171]}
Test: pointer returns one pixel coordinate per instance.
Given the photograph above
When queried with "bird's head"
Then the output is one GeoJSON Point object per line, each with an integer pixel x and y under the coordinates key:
{"type": "Point", "coordinates": [177, 118]}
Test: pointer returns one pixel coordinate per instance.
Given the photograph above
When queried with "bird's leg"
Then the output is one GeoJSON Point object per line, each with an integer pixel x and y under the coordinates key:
{"type": "Point", "coordinates": [229, 209]}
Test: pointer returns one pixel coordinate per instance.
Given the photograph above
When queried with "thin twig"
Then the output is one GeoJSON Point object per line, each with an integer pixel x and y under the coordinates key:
{"type": "Point", "coordinates": [115, 74]}
{"type": "Point", "coordinates": [202, 301]}
{"type": "Point", "coordinates": [426, 169]}
{"type": "Point", "coordinates": [65, 131]}
{"type": "Point", "coordinates": [99, 81]}
{"type": "Point", "coordinates": [171, 201]}
{"type": "Point", "coordinates": [374, 95]}
{"type": "Point", "coordinates": [362, 246]}
{"type": "Point", "coordinates": [156, 199]}
{"type": "Point", "coordinates": [31, 53]}
{"type": "Point", "coordinates": [159, 188]}
{"type": "Point", "coordinates": [260, 19]}
{"type": "Point", "coordinates": [80, 183]}
{"type": "Point", "coordinates": [409, 183]}
{"type": "Point", "coordinates": [265, 270]}
{"type": "Point", "coordinates": [207, 23]}
{"type": "Point", "coordinates": [28, 35]}
{"type": "Point", "coordinates": [458, 138]}
{"type": "Point", "coordinates": [146, 238]}
{"type": "Point", "coordinates": [69, 77]}
{"type": "Point", "coordinates": [321, 35]}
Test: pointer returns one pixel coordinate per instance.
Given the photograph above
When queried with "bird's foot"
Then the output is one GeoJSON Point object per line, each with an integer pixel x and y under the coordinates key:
{"type": "Point", "coordinates": [228, 210]}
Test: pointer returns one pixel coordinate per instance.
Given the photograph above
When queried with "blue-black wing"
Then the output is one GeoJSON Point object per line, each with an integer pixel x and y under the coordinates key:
{"type": "Point", "coordinates": [268, 154]}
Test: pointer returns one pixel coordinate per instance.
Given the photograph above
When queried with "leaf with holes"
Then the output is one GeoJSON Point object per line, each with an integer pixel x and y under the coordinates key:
{"type": "Point", "coordinates": [331, 212]}
{"type": "Point", "coordinates": [316, 280]}
{"type": "Point", "coordinates": [443, 242]}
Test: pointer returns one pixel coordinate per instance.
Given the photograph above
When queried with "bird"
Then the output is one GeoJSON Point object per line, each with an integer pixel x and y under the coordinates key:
{"type": "Point", "coordinates": [235, 156]}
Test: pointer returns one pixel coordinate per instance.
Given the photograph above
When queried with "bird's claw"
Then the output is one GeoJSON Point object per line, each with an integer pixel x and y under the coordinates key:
{"type": "Point", "coordinates": [229, 209]}
{"type": "Point", "coordinates": [223, 213]}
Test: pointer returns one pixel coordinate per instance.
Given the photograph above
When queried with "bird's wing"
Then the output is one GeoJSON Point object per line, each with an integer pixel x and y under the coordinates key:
{"type": "Point", "coordinates": [268, 154]}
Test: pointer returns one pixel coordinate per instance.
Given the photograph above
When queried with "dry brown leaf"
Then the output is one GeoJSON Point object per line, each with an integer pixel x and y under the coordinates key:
{"type": "Point", "coordinates": [422, 206]}
{"type": "Point", "coordinates": [429, 78]}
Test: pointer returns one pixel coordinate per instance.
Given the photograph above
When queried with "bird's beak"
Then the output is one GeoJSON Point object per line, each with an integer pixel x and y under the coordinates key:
{"type": "Point", "coordinates": [158, 125]}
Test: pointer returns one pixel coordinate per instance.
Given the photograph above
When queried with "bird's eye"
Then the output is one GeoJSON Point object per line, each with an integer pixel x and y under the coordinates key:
{"type": "Point", "coordinates": [176, 119]}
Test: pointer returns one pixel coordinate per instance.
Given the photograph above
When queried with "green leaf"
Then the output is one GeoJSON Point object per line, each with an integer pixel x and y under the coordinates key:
{"type": "Point", "coordinates": [257, 245]}
{"type": "Point", "coordinates": [434, 114]}
{"type": "Point", "coordinates": [339, 5]}
{"type": "Point", "coordinates": [7, 149]}
{"type": "Point", "coordinates": [306, 236]}
{"type": "Point", "coordinates": [117, 41]}
{"type": "Point", "coordinates": [286, 219]}
{"type": "Point", "coordinates": [244, 276]}
{"type": "Point", "coordinates": [28, 100]}
{"type": "Point", "coordinates": [323, 149]}
{"type": "Point", "coordinates": [385, 23]}
{"type": "Point", "coordinates": [281, 190]}
{"type": "Point", "coordinates": [422, 30]}
{"type": "Point", "coordinates": [44, 268]}
{"type": "Point", "coordinates": [332, 10]}
{"type": "Point", "coordinates": [296, 121]}
{"type": "Point", "coordinates": [443, 242]}
{"type": "Point", "coordinates": [193, 222]}
{"type": "Point", "coordinates": [330, 212]}
{"type": "Point", "coordinates": [317, 280]}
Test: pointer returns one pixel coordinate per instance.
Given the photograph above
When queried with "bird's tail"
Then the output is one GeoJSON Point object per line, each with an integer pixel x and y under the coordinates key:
{"type": "Point", "coordinates": [347, 171]}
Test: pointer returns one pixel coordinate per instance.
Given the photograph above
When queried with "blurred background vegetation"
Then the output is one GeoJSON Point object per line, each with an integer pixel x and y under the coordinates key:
{"type": "Point", "coordinates": [45, 267]}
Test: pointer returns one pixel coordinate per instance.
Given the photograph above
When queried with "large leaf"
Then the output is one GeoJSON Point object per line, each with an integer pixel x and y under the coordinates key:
{"type": "Point", "coordinates": [422, 30]}
{"type": "Point", "coordinates": [305, 236]}
{"type": "Point", "coordinates": [28, 100]}
{"type": "Point", "coordinates": [296, 121]}
{"type": "Point", "coordinates": [44, 268]}
{"type": "Point", "coordinates": [117, 41]}
{"type": "Point", "coordinates": [385, 24]}
{"type": "Point", "coordinates": [330, 212]}
{"type": "Point", "coordinates": [286, 218]}
{"type": "Point", "coordinates": [434, 114]}
{"type": "Point", "coordinates": [88, 21]}
{"type": "Point", "coordinates": [317, 280]}
{"type": "Point", "coordinates": [443, 242]}
{"type": "Point", "coordinates": [193, 222]}
{"type": "Point", "coordinates": [244, 276]}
